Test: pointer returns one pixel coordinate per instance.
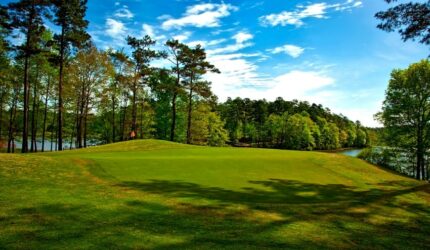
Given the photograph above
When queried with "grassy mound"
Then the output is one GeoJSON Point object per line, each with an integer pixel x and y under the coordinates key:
{"type": "Point", "coordinates": [156, 194]}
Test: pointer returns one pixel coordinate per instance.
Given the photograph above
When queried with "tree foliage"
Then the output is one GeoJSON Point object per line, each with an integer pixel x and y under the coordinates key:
{"type": "Point", "coordinates": [406, 112]}
{"type": "Point", "coordinates": [411, 20]}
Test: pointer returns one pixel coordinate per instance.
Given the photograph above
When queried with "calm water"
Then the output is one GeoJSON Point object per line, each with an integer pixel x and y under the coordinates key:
{"type": "Point", "coordinates": [66, 144]}
{"type": "Point", "coordinates": [351, 152]}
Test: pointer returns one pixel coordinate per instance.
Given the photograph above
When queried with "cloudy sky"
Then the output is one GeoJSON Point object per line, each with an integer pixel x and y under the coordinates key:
{"type": "Point", "coordinates": [324, 51]}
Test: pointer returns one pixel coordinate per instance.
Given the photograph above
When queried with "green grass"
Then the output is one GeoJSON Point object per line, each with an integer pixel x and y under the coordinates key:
{"type": "Point", "coordinates": [160, 195]}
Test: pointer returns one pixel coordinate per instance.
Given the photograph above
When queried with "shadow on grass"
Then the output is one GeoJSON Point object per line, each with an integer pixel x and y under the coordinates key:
{"type": "Point", "coordinates": [292, 214]}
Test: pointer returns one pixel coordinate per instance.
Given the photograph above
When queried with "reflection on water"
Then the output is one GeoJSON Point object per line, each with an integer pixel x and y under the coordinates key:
{"type": "Point", "coordinates": [351, 152]}
{"type": "Point", "coordinates": [51, 146]}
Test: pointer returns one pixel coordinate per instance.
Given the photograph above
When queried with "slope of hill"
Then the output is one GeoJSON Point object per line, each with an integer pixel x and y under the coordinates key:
{"type": "Point", "coordinates": [156, 194]}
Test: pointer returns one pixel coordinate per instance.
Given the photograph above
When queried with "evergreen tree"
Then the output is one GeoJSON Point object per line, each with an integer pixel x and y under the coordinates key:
{"type": "Point", "coordinates": [411, 20]}
{"type": "Point", "coordinates": [142, 56]}
{"type": "Point", "coordinates": [176, 57]}
{"type": "Point", "coordinates": [27, 17]}
{"type": "Point", "coordinates": [70, 17]}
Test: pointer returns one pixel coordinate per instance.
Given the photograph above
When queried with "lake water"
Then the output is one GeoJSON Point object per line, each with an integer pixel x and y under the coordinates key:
{"type": "Point", "coordinates": [66, 144]}
{"type": "Point", "coordinates": [351, 152]}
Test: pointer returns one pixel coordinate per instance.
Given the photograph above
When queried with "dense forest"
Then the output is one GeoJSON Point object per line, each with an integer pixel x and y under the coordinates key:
{"type": "Point", "coordinates": [60, 88]}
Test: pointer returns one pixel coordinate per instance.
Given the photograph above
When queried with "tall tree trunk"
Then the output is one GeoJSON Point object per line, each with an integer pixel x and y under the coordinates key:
{"type": "Point", "coordinates": [36, 126]}
{"type": "Point", "coordinates": [85, 120]}
{"type": "Point", "coordinates": [45, 113]}
{"type": "Point", "coordinates": [75, 127]}
{"type": "Point", "coordinates": [60, 91]}
{"type": "Point", "coordinates": [54, 116]}
{"type": "Point", "coordinates": [428, 172]}
{"type": "Point", "coordinates": [175, 94]}
{"type": "Point", "coordinates": [141, 121]}
{"type": "Point", "coordinates": [190, 108]}
{"type": "Point", "coordinates": [172, 130]}
{"type": "Point", "coordinates": [113, 112]}
{"type": "Point", "coordinates": [80, 123]}
{"type": "Point", "coordinates": [134, 109]}
{"type": "Point", "coordinates": [121, 123]}
{"type": "Point", "coordinates": [12, 115]}
{"type": "Point", "coordinates": [33, 147]}
{"type": "Point", "coordinates": [123, 120]}
{"type": "Point", "coordinates": [420, 152]}
{"type": "Point", "coordinates": [9, 135]}
{"type": "Point", "coordinates": [124, 114]}
{"type": "Point", "coordinates": [24, 148]}
{"type": "Point", "coordinates": [85, 129]}
{"type": "Point", "coordinates": [1, 112]}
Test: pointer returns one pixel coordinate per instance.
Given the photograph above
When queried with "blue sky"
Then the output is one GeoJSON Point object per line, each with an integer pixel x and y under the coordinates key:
{"type": "Point", "coordinates": [324, 51]}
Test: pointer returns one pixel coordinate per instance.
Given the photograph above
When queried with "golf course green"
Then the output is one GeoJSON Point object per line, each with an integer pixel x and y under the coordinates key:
{"type": "Point", "coordinates": [149, 194]}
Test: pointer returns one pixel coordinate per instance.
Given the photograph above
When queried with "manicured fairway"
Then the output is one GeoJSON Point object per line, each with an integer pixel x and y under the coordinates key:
{"type": "Point", "coordinates": [160, 195]}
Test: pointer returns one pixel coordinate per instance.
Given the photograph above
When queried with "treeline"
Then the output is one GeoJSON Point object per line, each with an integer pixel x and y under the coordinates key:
{"type": "Point", "coordinates": [290, 124]}
{"type": "Point", "coordinates": [60, 88]}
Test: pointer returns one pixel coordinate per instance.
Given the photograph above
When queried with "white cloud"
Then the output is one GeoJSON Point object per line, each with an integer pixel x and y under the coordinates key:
{"type": "Point", "coordinates": [148, 30]}
{"type": "Point", "coordinates": [206, 43]}
{"type": "Point", "coordinates": [124, 13]}
{"type": "Point", "coordinates": [229, 48]}
{"type": "Point", "coordinates": [216, 42]}
{"type": "Point", "coordinates": [151, 31]}
{"type": "Point", "coordinates": [292, 50]}
{"type": "Point", "coordinates": [200, 15]}
{"type": "Point", "coordinates": [242, 37]}
{"type": "Point", "coordinates": [182, 37]}
{"type": "Point", "coordinates": [115, 28]}
{"type": "Point", "coordinates": [236, 72]}
{"type": "Point", "coordinates": [197, 42]}
{"type": "Point", "coordinates": [298, 83]}
{"type": "Point", "coordinates": [316, 10]}
{"type": "Point", "coordinates": [239, 78]}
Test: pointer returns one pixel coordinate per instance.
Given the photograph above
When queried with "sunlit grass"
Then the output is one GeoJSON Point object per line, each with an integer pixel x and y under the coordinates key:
{"type": "Point", "coordinates": [156, 194]}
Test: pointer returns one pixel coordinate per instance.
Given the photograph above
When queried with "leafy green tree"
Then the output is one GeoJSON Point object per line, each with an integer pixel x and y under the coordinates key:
{"type": "Point", "coordinates": [329, 134]}
{"type": "Point", "coordinates": [90, 72]}
{"type": "Point", "coordinates": [120, 62]}
{"type": "Point", "coordinates": [352, 134]}
{"type": "Point", "coordinates": [274, 126]}
{"type": "Point", "coordinates": [162, 84]}
{"type": "Point", "coordinates": [217, 135]}
{"type": "Point", "coordinates": [208, 128]}
{"type": "Point", "coordinates": [299, 133]}
{"type": "Point", "coordinates": [406, 111]}
{"type": "Point", "coordinates": [361, 139]}
{"type": "Point", "coordinates": [250, 132]}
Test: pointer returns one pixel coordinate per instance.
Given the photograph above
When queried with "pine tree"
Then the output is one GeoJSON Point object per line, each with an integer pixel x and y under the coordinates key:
{"type": "Point", "coordinates": [196, 66]}
{"type": "Point", "coordinates": [69, 15]}
{"type": "Point", "coordinates": [142, 56]}
{"type": "Point", "coordinates": [177, 59]}
{"type": "Point", "coordinates": [411, 20]}
{"type": "Point", "coordinates": [27, 17]}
